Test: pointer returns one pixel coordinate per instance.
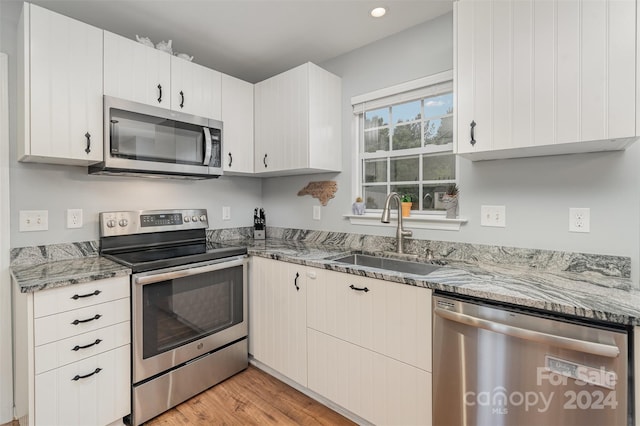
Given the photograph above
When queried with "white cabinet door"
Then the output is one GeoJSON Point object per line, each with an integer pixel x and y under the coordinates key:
{"type": "Point", "coordinates": [63, 89]}
{"type": "Point", "coordinates": [237, 119]}
{"type": "Point", "coordinates": [278, 317]}
{"type": "Point", "coordinates": [542, 77]}
{"type": "Point", "coordinates": [136, 72]}
{"type": "Point", "coordinates": [378, 388]}
{"type": "Point", "coordinates": [297, 122]}
{"type": "Point", "coordinates": [282, 106]}
{"type": "Point", "coordinates": [388, 318]}
{"type": "Point", "coordinates": [95, 391]}
{"type": "Point", "coordinates": [195, 89]}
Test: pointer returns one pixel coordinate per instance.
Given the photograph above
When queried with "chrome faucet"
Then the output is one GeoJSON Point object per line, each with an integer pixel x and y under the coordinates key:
{"type": "Point", "coordinates": [386, 218]}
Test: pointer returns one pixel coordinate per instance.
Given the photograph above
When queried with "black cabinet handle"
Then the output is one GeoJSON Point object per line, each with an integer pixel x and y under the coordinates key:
{"type": "Point", "coordinates": [181, 99]}
{"type": "Point", "coordinates": [88, 148]}
{"type": "Point", "coordinates": [80, 296]}
{"type": "Point", "coordinates": [353, 287]}
{"type": "Point", "coordinates": [76, 322]}
{"type": "Point", "coordinates": [295, 281]}
{"type": "Point", "coordinates": [77, 377]}
{"type": "Point", "coordinates": [160, 93]}
{"type": "Point", "coordinates": [264, 160]}
{"type": "Point", "coordinates": [472, 141]}
{"type": "Point", "coordinates": [230, 160]}
{"type": "Point", "coordinates": [77, 348]}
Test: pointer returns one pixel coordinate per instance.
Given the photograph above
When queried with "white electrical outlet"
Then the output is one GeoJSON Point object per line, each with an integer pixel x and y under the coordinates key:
{"type": "Point", "coordinates": [316, 212]}
{"type": "Point", "coordinates": [34, 220]}
{"type": "Point", "coordinates": [495, 216]}
{"type": "Point", "coordinates": [579, 219]}
{"type": "Point", "coordinates": [226, 213]}
{"type": "Point", "coordinates": [74, 218]}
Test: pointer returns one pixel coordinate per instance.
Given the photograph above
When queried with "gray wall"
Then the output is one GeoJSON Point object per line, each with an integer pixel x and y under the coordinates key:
{"type": "Point", "coordinates": [537, 192]}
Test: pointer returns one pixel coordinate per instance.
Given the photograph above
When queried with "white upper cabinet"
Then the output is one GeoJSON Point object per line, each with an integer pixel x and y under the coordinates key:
{"type": "Point", "coordinates": [195, 89]}
{"type": "Point", "coordinates": [237, 119]}
{"type": "Point", "coordinates": [136, 72]}
{"type": "Point", "coordinates": [298, 123]}
{"type": "Point", "coordinates": [143, 74]}
{"type": "Point", "coordinates": [540, 77]}
{"type": "Point", "coordinates": [60, 89]}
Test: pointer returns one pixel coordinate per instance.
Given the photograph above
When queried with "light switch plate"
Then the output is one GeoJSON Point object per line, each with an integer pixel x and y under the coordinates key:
{"type": "Point", "coordinates": [316, 212]}
{"type": "Point", "coordinates": [34, 220]}
{"type": "Point", "coordinates": [495, 216]}
{"type": "Point", "coordinates": [226, 213]}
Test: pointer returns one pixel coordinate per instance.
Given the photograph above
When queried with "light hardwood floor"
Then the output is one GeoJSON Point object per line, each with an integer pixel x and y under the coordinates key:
{"type": "Point", "coordinates": [251, 397]}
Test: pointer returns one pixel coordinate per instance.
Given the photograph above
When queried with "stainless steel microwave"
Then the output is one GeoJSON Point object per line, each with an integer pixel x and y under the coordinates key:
{"type": "Point", "coordinates": [145, 140]}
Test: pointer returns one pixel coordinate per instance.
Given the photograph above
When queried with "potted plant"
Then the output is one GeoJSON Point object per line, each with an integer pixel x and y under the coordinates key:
{"type": "Point", "coordinates": [407, 202]}
{"type": "Point", "coordinates": [450, 200]}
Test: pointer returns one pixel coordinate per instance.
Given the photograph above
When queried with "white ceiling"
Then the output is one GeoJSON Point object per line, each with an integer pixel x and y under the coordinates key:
{"type": "Point", "coordinates": [253, 39]}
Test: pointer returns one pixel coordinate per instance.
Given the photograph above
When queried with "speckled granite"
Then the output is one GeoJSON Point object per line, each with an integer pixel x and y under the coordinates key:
{"type": "Point", "coordinates": [534, 259]}
{"type": "Point", "coordinates": [584, 293]}
{"type": "Point", "coordinates": [35, 277]}
{"type": "Point", "coordinates": [223, 235]}
{"type": "Point", "coordinates": [586, 285]}
{"type": "Point", "coordinates": [53, 252]}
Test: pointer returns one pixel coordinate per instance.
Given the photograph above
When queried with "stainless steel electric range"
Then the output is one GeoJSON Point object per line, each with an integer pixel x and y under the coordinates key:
{"type": "Point", "coordinates": [188, 305]}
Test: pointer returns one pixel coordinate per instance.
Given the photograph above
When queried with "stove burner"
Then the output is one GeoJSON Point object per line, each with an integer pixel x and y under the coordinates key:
{"type": "Point", "coordinates": [168, 243]}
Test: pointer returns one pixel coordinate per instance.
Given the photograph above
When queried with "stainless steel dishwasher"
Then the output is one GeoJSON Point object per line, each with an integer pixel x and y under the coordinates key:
{"type": "Point", "coordinates": [499, 365]}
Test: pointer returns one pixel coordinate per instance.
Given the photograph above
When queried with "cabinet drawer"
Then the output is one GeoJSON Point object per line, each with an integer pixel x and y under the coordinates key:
{"type": "Point", "coordinates": [63, 325]}
{"type": "Point", "coordinates": [99, 399]}
{"type": "Point", "coordinates": [53, 301]}
{"type": "Point", "coordinates": [380, 389]}
{"type": "Point", "coordinates": [76, 348]}
{"type": "Point", "coordinates": [389, 318]}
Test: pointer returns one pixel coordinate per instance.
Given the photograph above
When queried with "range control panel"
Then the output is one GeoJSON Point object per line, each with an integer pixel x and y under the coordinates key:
{"type": "Point", "coordinates": [160, 219]}
{"type": "Point", "coordinates": [146, 221]}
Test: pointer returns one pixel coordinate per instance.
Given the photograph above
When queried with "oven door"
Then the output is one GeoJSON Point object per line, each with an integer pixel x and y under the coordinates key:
{"type": "Point", "coordinates": [182, 313]}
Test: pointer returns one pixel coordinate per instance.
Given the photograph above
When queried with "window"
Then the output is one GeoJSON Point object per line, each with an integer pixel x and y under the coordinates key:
{"type": "Point", "coordinates": [405, 140]}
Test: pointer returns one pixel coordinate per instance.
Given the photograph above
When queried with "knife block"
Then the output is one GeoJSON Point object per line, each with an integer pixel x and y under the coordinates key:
{"type": "Point", "coordinates": [258, 234]}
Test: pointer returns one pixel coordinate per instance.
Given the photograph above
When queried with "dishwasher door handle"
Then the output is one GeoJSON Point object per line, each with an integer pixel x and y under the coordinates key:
{"type": "Point", "coordinates": [593, 348]}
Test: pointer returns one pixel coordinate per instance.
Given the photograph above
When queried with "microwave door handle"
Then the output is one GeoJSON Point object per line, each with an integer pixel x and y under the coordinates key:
{"type": "Point", "coordinates": [207, 146]}
{"type": "Point", "coordinates": [114, 137]}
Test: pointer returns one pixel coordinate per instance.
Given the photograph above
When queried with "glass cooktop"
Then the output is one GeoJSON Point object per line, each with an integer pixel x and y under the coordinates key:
{"type": "Point", "coordinates": [148, 259]}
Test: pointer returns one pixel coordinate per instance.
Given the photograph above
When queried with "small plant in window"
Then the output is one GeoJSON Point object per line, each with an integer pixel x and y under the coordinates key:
{"type": "Point", "coordinates": [407, 202]}
{"type": "Point", "coordinates": [450, 201]}
{"type": "Point", "coordinates": [407, 198]}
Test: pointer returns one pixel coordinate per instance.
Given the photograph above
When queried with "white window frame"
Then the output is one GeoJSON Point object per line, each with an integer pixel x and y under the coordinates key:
{"type": "Point", "coordinates": [405, 92]}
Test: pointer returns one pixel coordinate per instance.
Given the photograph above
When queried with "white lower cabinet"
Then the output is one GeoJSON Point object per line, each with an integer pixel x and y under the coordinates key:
{"type": "Point", "coordinates": [89, 392]}
{"type": "Point", "coordinates": [278, 317]}
{"type": "Point", "coordinates": [362, 343]}
{"type": "Point", "coordinates": [377, 388]}
{"type": "Point", "coordinates": [72, 354]}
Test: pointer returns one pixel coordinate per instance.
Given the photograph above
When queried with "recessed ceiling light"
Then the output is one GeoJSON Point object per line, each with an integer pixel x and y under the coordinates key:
{"type": "Point", "coordinates": [378, 12]}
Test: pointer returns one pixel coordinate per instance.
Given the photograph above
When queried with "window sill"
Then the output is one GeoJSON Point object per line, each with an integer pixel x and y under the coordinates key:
{"type": "Point", "coordinates": [416, 221]}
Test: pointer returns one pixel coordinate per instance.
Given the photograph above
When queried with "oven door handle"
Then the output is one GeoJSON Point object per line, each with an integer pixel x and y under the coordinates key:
{"type": "Point", "coordinates": [172, 275]}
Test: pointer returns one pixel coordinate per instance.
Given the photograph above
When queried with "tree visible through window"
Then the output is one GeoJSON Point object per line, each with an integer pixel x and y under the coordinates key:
{"type": "Point", "coordinates": [407, 147]}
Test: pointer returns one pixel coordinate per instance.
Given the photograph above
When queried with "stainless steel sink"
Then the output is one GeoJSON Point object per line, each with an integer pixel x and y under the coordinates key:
{"type": "Point", "coordinates": [388, 264]}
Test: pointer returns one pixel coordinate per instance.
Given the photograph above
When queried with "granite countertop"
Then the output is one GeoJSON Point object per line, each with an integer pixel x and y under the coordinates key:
{"type": "Point", "coordinates": [585, 287]}
{"type": "Point", "coordinates": [59, 273]}
{"type": "Point", "coordinates": [585, 294]}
